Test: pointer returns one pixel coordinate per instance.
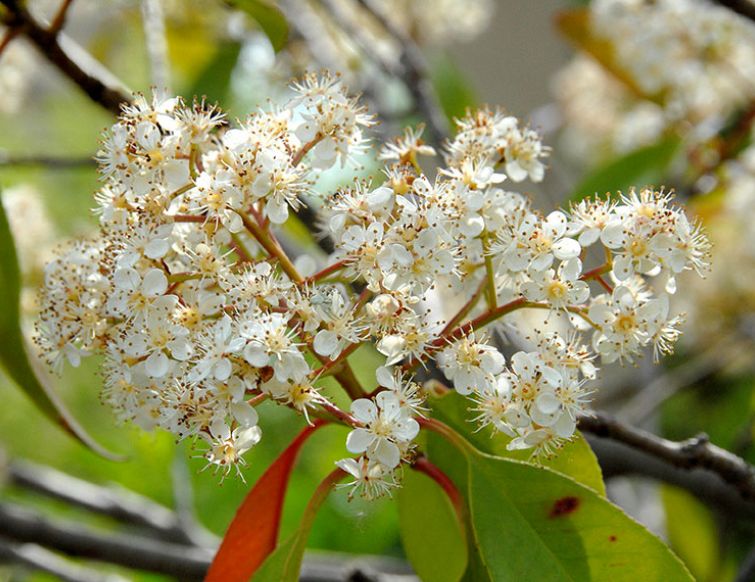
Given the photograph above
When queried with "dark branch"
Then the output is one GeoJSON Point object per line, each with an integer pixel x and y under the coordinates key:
{"type": "Point", "coordinates": [22, 525]}
{"type": "Point", "coordinates": [47, 41]}
{"type": "Point", "coordinates": [744, 8]}
{"type": "Point", "coordinates": [135, 552]}
{"type": "Point", "coordinates": [413, 71]}
{"type": "Point", "coordinates": [120, 504]}
{"type": "Point", "coordinates": [694, 453]}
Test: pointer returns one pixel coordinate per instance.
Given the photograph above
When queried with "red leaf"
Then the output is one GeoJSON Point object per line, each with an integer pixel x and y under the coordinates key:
{"type": "Point", "coordinates": [253, 533]}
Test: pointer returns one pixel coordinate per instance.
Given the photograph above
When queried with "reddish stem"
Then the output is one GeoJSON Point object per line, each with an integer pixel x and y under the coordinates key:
{"type": "Point", "coordinates": [436, 474]}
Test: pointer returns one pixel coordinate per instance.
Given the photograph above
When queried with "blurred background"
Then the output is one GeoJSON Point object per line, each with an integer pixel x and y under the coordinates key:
{"type": "Point", "coordinates": [609, 111]}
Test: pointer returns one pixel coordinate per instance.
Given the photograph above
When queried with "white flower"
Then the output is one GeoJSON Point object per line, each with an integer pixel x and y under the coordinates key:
{"type": "Point", "coordinates": [386, 425]}
{"type": "Point", "coordinates": [560, 289]}
{"type": "Point", "coordinates": [470, 364]}
{"type": "Point", "coordinates": [370, 477]}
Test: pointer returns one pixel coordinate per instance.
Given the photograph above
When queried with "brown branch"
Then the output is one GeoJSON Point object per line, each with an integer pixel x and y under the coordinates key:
{"type": "Point", "coordinates": [694, 453]}
{"type": "Point", "coordinates": [47, 41]}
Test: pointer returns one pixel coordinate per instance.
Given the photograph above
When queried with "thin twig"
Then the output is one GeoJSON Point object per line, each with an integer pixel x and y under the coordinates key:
{"type": "Point", "coordinates": [697, 452]}
{"type": "Point", "coordinates": [59, 21]}
{"type": "Point", "coordinates": [412, 68]}
{"type": "Point", "coordinates": [99, 90]}
{"type": "Point", "coordinates": [25, 526]}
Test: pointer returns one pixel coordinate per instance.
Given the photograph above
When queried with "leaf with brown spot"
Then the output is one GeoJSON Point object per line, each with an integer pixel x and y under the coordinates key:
{"type": "Point", "coordinates": [564, 506]}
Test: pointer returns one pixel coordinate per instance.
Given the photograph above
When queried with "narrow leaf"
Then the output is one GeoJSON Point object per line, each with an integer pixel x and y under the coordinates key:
{"type": "Point", "coordinates": [432, 537]}
{"type": "Point", "coordinates": [269, 17]}
{"type": "Point", "coordinates": [253, 533]}
{"type": "Point", "coordinates": [452, 87]}
{"type": "Point", "coordinates": [644, 166]}
{"type": "Point", "coordinates": [284, 564]}
{"type": "Point", "coordinates": [214, 81]}
{"type": "Point", "coordinates": [14, 355]}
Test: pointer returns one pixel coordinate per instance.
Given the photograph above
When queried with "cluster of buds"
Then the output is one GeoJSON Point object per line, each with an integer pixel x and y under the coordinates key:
{"type": "Point", "coordinates": [201, 314]}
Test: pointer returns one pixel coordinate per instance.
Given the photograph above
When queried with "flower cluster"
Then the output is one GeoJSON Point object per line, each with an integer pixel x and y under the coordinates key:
{"type": "Point", "coordinates": [200, 314]}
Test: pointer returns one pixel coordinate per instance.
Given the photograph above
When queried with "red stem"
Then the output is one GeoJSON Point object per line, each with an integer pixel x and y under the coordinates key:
{"type": "Point", "coordinates": [454, 495]}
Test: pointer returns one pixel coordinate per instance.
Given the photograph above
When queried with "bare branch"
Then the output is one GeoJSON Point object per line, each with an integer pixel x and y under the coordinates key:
{"type": "Point", "coordinates": [135, 552]}
{"type": "Point", "coordinates": [413, 71]}
{"type": "Point", "coordinates": [186, 563]}
{"type": "Point", "coordinates": [120, 504]}
{"type": "Point", "coordinates": [694, 453]}
{"type": "Point", "coordinates": [38, 558]}
{"type": "Point", "coordinates": [104, 92]}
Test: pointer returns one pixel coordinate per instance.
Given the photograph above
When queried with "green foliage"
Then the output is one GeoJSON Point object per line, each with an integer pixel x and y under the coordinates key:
{"type": "Point", "coordinates": [644, 166]}
{"type": "Point", "coordinates": [432, 536]}
{"type": "Point", "coordinates": [454, 90]}
{"type": "Point", "coordinates": [214, 81]}
{"type": "Point", "coordinates": [269, 17]}
{"type": "Point", "coordinates": [533, 523]}
{"type": "Point", "coordinates": [691, 532]}
{"type": "Point", "coordinates": [13, 351]}
{"type": "Point", "coordinates": [530, 522]}
{"type": "Point", "coordinates": [575, 460]}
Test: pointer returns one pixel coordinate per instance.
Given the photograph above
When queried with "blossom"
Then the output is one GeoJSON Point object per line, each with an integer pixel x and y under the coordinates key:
{"type": "Point", "coordinates": [386, 425]}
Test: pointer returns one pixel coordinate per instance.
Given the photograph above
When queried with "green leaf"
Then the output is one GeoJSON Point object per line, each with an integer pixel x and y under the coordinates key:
{"type": "Point", "coordinates": [452, 87]}
{"type": "Point", "coordinates": [433, 538]}
{"type": "Point", "coordinates": [269, 17]}
{"type": "Point", "coordinates": [644, 166]}
{"type": "Point", "coordinates": [214, 81]}
{"type": "Point", "coordinates": [14, 356]}
{"type": "Point", "coordinates": [692, 532]}
{"type": "Point", "coordinates": [575, 460]}
{"type": "Point", "coordinates": [532, 523]}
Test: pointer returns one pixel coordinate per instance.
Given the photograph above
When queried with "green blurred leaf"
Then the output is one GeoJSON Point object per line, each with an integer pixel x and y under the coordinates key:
{"type": "Point", "coordinates": [691, 531]}
{"type": "Point", "coordinates": [644, 166]}
{"type": "Point", "coordinates": [432, 536]}
{"type": "Point", "coordinates": [214, 82]}
{"type": "Point", "coordinates": [25, 372]}
{"type": "Point", "coordinates": [452, 87]}
{"type": "Point", "coordinates": [575, 460]}
{"type": "Point", "coordinates": [269, 17]}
